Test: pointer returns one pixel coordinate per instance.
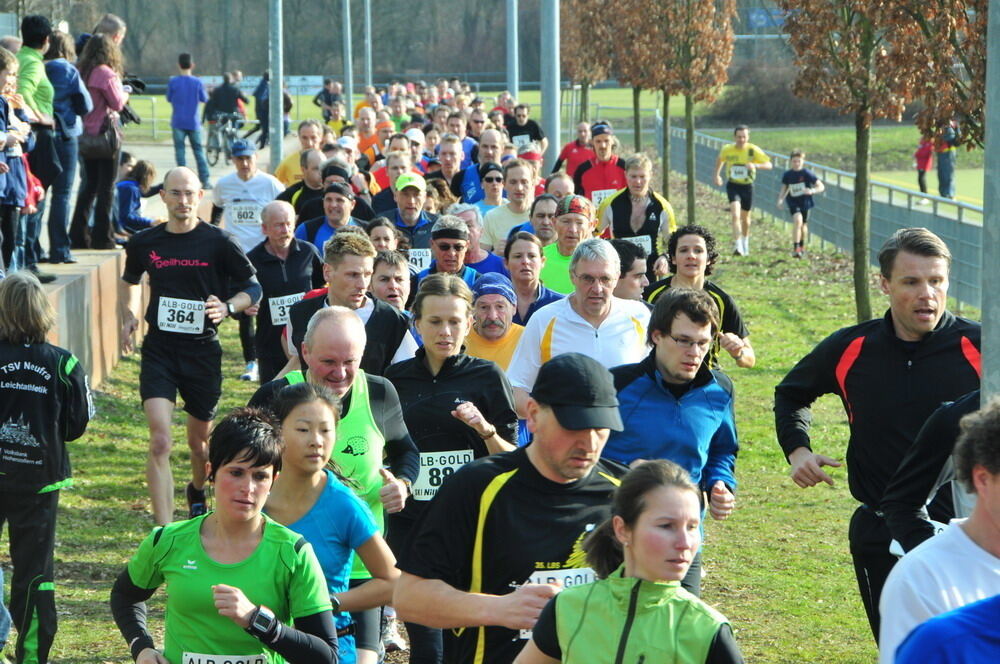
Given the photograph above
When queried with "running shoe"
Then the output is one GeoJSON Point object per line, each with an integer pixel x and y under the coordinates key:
{"type": "Point", "coordinates": [392, 640]}
{"type": "Point", "coordinates": [197, 502]}
{"type": "Point", "coordinates": [251, 372]}
{"type": "Point", "coordinates": [738, 248]}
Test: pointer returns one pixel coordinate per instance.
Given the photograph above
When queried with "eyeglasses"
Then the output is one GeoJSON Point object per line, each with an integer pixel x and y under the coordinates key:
{"type": "Point", "coordinates": [447, 246]}
{"type": "Point", "coordinates": [589, 280]}
{"type": "Point", "coordinates": [174, 193]}
{"type": "Point", "coordinates": [702, 344]}
{"type": "Point", "coordinates": [492, 179]}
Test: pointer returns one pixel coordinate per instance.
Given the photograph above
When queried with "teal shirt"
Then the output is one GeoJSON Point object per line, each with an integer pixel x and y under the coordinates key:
{"type": "Point", "coordinates": [32, 83]}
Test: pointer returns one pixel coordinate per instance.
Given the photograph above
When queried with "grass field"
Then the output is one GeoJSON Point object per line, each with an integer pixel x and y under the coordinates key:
{"type": "Point", "coordinates": [779, 568]}
{"type": "Point", "coordinates": [968, 182]}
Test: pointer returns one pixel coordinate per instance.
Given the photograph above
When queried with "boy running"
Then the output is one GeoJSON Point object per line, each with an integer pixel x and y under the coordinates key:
{"type": "Point", "coordinates": [798, 184]}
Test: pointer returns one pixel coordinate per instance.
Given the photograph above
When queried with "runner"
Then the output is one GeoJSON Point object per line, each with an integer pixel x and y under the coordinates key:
{"type": "Point", "coordinates": [191, 267]}
{"type": "Point", "coordinates": [238, 198]}
{"type": "Point", "coordinates": [311, 497]}
{"type": "Point", "coordinates": [590, 321]}
{"type": "Point", "coordinates": [409, 215]}
{"type": "Point", "coordinates": [310, 186]}
{"type": "Point", "coordinates": [742, 160]}
{"type": "Point", "coordinates": [347, 269]}
{"type": "Point", "coordinates": [391, 279]}
{"type": "Point", "coordinates": [494, 335]}
{"type": "Point", "coordinates": [338, 205]}
{"type": "Point", "coordinates": [518, 183]}
{"type": "Point", "coordinates": [470, 186]}
{"type": "Point", "coordinates": [213, 564]}
{"type": "Point", "coordinates": [603, 175]}
{"type": "Point", "coordinates": [449, 242]}
{"type": "Point", "coordinates": [674, 407]}
{"type": "Point", "coordinates": [522, 129]}
{"type": "Point", "coordinates": [310, 133]}
{"type": "Point", "coordinates": [45, 401]}
{"type": "Point", "coordinates": [692, 255]}
{"type": "Point", "coordinates": [541, 219]}
{"type": "Point", "coordinates": [642, 551]}
{"type": "Point", "coordinates": [798, 185]}
{"type": "Point", "coordinates": [576, 152]}
{"type": "Point", "coordinates": [485, 558]}
{"type": "Point", "coordinates": [524, 260]}
{"type": "Point", "coordinates": [638, 214]}
{"type": "Point", "coordinates": [633, 281]}
{"type": "Point", "coordinates": [574, 224]}
{"type": "Point", "coordinates": [476, 257]}
{"type": "Point", "coordinates": [286, 268]}
{"type": "Point", "coordinates": [456, 408]}
{"type": "Point", "coordinates": [891, 374]}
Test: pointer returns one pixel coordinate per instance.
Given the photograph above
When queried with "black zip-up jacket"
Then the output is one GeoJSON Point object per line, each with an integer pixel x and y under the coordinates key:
{"type": "Point", "coordinates": [300, 272]}
{"type": "Point", "coordinates": [926, 471]}
{"type": "Point", "coordinates": [44, 402]}
{"type": "Point", "coordinates": [888, 387]}
{"type": "Point", "coordinates": [428, 400]}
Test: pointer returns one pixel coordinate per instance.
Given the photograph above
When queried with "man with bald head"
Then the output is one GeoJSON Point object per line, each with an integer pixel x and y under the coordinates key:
{"type": "Point", "coordinates": [469, 184]}
{"type": "Point", "coordinates": [198, 276]}
{"type": "Point", "coordinates": [310, 187]}
{"type": "Point", "coordinates": [286, 268]}
{"type": "Point", "coordinates": [370, 429]}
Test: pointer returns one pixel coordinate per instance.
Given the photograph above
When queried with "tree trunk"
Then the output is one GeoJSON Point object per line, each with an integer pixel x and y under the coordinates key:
{"type": "Point", "coordinates": [689, 148]}
{"type": "Point", "coordinates": [666, 145]}
{"type": "Point", "coordinates": [637, 118]}
{"type": "Point", "coordinates": [584, 101]}
{"type": "Point", "coordinates": [862, 206]}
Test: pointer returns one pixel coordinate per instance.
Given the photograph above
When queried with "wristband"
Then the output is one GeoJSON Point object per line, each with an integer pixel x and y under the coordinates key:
{"type": "Point", "coordinates": [409, 487]}
{"type": "Point", "coordinates": [492, 432]}
{"type": "Point", "coordinates": [230, 309]}
{"type": "Point", "coordinates": [140, 643]}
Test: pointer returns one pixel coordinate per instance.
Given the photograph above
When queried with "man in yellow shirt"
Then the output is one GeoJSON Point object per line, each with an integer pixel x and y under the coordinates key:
{"type": "Point", "coordinates": [494, 335]}
{"type": "Point", "coordinates": [742, 159]}
{"type": "Point", "coordinates": [289, 171]}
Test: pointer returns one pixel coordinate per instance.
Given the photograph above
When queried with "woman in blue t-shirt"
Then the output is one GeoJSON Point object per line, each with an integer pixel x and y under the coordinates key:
{"type": "Point", "coordinates": [309, 496]}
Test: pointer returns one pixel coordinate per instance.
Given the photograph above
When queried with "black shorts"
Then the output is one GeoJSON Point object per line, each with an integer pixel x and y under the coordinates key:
{"type": "Point", "coordinates": [193, 368]}
{"type": "Point", "coordinates": [740, 192]}
{"type": "Point", "coordinates": [802, 204]}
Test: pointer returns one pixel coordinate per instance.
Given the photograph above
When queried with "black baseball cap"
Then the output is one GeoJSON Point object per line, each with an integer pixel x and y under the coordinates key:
{"type": "Point", "coordinates": [580, 392]}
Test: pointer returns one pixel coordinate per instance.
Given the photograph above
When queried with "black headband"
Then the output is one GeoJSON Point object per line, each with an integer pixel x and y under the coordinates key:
{"type": "Point", "coordinates": [450, 234]}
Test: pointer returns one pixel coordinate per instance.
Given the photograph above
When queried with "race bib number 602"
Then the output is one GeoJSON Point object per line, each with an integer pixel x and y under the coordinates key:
{"type": "Point", "coordinates": [184, 316]}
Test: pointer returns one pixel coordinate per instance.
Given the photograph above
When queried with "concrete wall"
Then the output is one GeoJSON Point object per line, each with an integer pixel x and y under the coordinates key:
{"type": "Point", "coordinates": [85, 297]}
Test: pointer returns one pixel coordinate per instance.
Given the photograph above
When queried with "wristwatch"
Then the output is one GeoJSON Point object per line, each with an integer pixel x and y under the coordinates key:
{"type": "Point", "coordinates": [230, 309]}
{"type": "Point", "coordinates": [335, 601]}
{"type": "Point", "coordinates": [408, 484]}
{"type": "Point", "coordinates": [263, 624]}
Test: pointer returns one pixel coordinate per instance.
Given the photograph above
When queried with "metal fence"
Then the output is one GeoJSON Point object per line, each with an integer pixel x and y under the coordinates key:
{"type": "Point", "coordinates": [958, 224]}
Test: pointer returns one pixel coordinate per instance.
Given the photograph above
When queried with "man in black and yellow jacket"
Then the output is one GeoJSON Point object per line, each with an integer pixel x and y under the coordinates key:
{"type": "Point", "coordinates": [891, 374]}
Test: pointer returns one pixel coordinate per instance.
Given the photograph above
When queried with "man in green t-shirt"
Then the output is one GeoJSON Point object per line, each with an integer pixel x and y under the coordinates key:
{"type": "Point", "coordinates": [575, 218]}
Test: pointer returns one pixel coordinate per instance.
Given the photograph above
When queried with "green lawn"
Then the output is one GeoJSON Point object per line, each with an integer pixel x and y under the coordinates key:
{"type": "Point", "coordinates": [779, 568]}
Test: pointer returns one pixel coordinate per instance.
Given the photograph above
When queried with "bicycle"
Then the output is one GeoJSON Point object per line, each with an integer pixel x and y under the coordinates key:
{"type": "Point", "coordinates": [222, 131]}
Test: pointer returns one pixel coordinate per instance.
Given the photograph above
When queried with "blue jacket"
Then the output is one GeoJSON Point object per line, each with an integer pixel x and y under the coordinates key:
{"type": "Point", "coordinates": [72, 99]}
{"type": "Point", "coordinates": [697, 432]}
{"type": "Point", "coordinates": [129, 207]}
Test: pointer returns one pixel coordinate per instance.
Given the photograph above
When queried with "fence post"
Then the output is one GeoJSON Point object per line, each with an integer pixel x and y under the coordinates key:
{"type": "Point", "coordinates": [153, 113]}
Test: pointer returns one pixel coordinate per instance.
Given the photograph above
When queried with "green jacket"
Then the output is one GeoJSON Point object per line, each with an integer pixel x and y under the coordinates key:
{"type": "Point", "coordinates": [627, 621]}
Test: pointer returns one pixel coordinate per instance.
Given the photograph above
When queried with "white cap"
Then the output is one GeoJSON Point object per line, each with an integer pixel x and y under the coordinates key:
{"type": "Point", "coordinates": [415, 135]}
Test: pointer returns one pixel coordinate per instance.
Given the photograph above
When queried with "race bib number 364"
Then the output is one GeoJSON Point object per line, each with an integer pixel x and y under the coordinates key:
{"type": "Point", "coordinates": [435, 467]}
{"type": "Point", "coordinates": [184, 316]}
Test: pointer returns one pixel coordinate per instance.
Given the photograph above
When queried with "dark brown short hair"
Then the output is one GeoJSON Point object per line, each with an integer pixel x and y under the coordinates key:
{"type": "Point", "coordinates": [918, 241]}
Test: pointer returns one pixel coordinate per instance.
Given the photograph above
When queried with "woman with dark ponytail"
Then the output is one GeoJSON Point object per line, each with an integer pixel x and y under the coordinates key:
{"type": "Point", "coordinates": [637, 610]}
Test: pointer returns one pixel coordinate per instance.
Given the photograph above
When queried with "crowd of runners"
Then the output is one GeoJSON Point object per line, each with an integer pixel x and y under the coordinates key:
{"type": "Point", "coordinates": [492, 403]}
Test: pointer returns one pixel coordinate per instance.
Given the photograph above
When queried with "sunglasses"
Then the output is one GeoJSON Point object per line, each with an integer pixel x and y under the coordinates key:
{"type": "Point", "coordinates": [488, 179]}
{"type": "Point", "coordinates": [447, 246]}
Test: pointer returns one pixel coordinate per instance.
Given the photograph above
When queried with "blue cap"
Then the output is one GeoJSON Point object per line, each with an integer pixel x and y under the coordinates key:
{"type": "Point", "coordinates": [243, 148]}
{"type": "Point", "coordinates": [494, 283]}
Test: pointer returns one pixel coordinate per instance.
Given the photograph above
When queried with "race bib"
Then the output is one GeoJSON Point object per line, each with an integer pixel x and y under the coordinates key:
{"type": "Point", "coordinates": [640, 240]}
{"type": "Point", "coordinates": [797, 189]}
{"type": "Point", "coordinates": [245, 214]}
{"type": "Point", "coordinates": [280, 305]}
{"type": "Point", "coordinates": [739, 172]}
{"type": "Point", "coordinates": [566, 578]}
{"type": "Point", "coordinates": [434, 468]}
{"type": "Point", "coordinates": [600, 195]}
{"type": "Point", "coordinates": [199, 658]}
{"type": "Point", "coordinates": [184, 316]}
{"type": "Point", "coordinates": [523, 139]}
{"type": "Point", "coordinates": [420, 258]}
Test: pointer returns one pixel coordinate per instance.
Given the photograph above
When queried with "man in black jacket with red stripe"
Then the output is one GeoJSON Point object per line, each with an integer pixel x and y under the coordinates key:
{"type": "Point", "coordinates": [891, 374]}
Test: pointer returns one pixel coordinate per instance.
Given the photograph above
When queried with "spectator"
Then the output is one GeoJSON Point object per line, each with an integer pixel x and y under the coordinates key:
{"type": "Point", "coordinates": [131, 190]}
{"type": "Point", "coordinates": [102, 68]}
{"type": "Point", "coordinates": [70, 103]}
{"type": "Point", "coordinates": [184, 92]}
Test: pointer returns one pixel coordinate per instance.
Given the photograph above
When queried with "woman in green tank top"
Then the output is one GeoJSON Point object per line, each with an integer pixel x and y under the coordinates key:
{"type": "Point", "coordinates": [637, 610]}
